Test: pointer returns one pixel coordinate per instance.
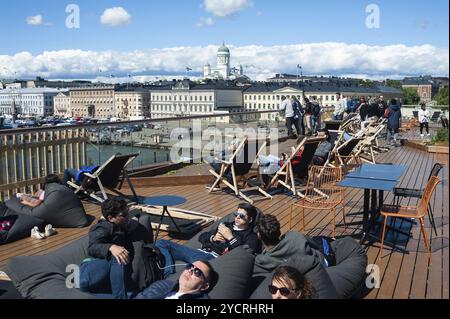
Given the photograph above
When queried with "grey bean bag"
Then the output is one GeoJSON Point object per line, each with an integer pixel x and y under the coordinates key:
{"type": "Point", "coordinates": [339, 281]}
{"type": "Point", "coordinates": [61, 208]}
{"type": "Point", "coordinates": [44, 277]}
{"type": "Point", "coordinates": [313, 271]}
{"type": "Point", "coordinates": [234, 270]}
{"type": "Point", "coordinates": [21, 226]}
{"type": "Point", "coordinates": [350, 271]}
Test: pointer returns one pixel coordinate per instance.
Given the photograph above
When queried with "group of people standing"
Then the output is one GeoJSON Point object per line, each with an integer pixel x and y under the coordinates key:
{"type": "Point", "coordinates": [306, 120]}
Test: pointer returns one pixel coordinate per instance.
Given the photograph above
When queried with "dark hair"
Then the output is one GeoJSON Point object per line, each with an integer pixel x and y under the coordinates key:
{"type": "Point", "coordinates": [393, 102]}
{"type": "Point", "coordinates": [213, 275]}
{"type": "Point", "coordinates": [52, 178]}
{"type": "Point", "coordinates": [327, 133]}
{"type": "Point", "coordinates": [113, 206]}
{"type": "Point", "coordinates": [289, 275]}
{"type": "Point", "coordinates": [338, 93]}
{"type": "Point", "coordinates": [269, 230]}
{"type": "Point", "coordinates": [251, 210]}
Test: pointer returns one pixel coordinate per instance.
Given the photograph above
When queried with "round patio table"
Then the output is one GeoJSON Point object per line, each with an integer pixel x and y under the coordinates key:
{"type": "Point", "coordinates": [165, 201]}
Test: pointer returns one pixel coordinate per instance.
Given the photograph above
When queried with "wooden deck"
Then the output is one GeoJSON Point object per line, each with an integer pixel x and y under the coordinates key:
{"type": "Point", "coordinates": [403, 275]}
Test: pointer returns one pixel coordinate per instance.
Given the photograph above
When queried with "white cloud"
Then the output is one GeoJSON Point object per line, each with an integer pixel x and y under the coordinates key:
{"type": "Point", "coordinates": [259, 13]}
{"type": "Point", "coordinates": [225, 8]}
{"type": "Point", "coordinates": [116, 16]}
{"type": "Point", "coordinates": [260, 62]}
{"type": "Point", "coordinates": [205, 22]}
{"type": "Point", "coordinates": [35, 20]}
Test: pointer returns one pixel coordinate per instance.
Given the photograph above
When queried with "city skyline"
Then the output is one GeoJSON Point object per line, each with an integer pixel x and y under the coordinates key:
{"type": "Point", "coordinates": [149, 39]}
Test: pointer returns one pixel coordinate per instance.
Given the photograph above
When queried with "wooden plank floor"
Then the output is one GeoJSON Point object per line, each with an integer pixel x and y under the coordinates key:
{"type": "Point", "coordinates": [403, 275]}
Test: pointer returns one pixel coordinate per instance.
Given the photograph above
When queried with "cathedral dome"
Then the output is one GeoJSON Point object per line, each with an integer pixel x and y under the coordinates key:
{"type": "Point", "coordinates": [223, 49]}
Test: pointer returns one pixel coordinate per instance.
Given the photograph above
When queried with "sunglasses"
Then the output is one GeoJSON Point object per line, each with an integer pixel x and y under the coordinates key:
{"type": "Point", "coordinates": [283, 290]}
{"type": "Point", "coordinates": [240, 215]}
{"type": "Point", "coordinates": [197, 271]}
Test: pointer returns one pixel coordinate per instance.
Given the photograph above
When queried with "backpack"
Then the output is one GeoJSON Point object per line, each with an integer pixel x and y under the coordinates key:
{"type": "Point", "coordinates": [153, 261]}
{"type": "Point", "coordinates": [322, 244]}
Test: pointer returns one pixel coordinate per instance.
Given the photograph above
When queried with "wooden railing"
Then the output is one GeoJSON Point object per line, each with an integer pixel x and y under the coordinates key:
{"type": "Point", "coordinates": [27, 157]}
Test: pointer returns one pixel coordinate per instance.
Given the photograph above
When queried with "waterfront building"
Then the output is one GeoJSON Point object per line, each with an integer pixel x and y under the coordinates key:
{"type": "Point", "coordinates": [62, 106]}
{"type": "Point", "coordinates": [184, 98]}
{"type": "Point", "coordinates": [132, 103]}
{"type": "Point", "coordinates": [93, 102]}
{"type": "Point", "coordinates": [34, 102]}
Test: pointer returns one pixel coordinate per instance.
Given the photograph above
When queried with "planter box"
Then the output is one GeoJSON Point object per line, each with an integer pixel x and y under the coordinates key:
{"type": "Point", "coordinates": [438, 149]}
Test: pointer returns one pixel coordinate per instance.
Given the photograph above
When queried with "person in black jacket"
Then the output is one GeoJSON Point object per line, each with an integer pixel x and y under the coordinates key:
{"type": "Point", "coordinates": [110, 247]}
{"type": "Point", "coordinates": [215, 243]}
{"type": "Point", "coordinates": [196, 280]}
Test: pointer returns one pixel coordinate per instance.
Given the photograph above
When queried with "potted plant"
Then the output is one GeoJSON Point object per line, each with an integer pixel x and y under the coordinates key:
{"type": "Point", "coordinates": [441, 138]}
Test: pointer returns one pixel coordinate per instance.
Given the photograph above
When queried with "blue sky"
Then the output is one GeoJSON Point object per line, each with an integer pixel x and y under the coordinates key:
{"type": "Point", "coordinates": [267, 23]}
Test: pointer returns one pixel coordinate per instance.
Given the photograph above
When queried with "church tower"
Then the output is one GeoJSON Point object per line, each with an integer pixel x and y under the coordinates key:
{"type": "Point", "coordinates": [223, 61]}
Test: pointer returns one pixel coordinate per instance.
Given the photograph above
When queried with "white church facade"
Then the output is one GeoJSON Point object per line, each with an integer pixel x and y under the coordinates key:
{"type": "Point", "coordinates": [223, 69]}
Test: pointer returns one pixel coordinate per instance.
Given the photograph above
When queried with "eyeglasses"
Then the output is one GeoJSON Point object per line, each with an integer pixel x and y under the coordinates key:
{"type": "Point", "coordinates": [283, 290]}
{"type": "Point", "coordinates": [197, 271]}
{"type": "Point", "coordinates": [240, 215]}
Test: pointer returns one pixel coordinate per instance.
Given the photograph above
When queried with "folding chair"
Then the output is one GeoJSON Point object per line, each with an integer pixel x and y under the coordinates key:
{"type": "Point", "coordinates": [110, 175]}
{"type": "Point", "coordinates": [369, 145]}
{"type": "Point", "coordinates": [435, 117]}
{"type": "Point", "coordinates": [344, 153]}
{"type": "Point", "coordinates": [239, 165]}
{"type": "Point", "coordinates": [287, 170]}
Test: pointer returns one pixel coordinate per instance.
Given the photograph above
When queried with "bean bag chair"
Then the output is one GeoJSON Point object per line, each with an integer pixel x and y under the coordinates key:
{"type": "Point", "coordinates": [234, 271]}
{"type": "Point", "coordinates": [350, 271]}
{"type": "Point", "coordinates": [340, 281]}
{"type": "Point", "coordinates": [61, 208]}
{"type": "Point", "coordinates": [19, 226]}
{"type": "Point", "coordinates": [44, 277]}
{"type": "Point", "coordinates": [313, 271]}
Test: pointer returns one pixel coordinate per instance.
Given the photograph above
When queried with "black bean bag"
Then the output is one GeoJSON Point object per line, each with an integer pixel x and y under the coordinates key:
{"type": "Point", "coordinates": [313, 271]}
{"type": "Point", "coordinates": [234, 270]}
{"type": "Point", "coordinates": [339, 281]}
{"type": "Point", "coordinates": [61, 208]}
{"type": "Point", "coordinates": [44, 277]}
{"type": "Point", "coordinates": [21, 226]}
{"type": "Point", "coordinates": [350, 271]}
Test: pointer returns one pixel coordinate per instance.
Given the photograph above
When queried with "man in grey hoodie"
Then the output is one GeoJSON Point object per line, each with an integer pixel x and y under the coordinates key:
{"type": "Point", "coordinates": [278, 249]}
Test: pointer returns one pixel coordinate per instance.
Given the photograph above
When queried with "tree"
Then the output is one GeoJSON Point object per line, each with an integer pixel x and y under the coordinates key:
{"type": "Point", "coordinates": [442, 97]}
{"type": "Point", "coordinates": [394, 83]}
{"type": "Point", "coordinates": [410, 96]}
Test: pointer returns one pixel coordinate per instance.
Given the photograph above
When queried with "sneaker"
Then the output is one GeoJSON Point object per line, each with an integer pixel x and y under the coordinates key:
{"type": "Point", "coordinates": [421, 135]}
{"type": "Point", "coordinates": [36, 234]}
{"type": "Point", "coordinates": [49, 230]}
{"type": "Point", "coordinates": [428, 134]}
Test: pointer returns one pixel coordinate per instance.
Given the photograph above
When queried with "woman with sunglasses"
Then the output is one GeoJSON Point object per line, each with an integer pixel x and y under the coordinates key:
{"type": "Point", "coordinates": [289, 283]}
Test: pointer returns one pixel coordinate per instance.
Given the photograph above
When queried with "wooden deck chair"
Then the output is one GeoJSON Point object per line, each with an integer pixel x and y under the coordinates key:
{"type": "Point", "coordinates": [111, 175]}
{"type": "Point", "coordinates": [239, 166]}
{"type": "Point", "coordinates": [345, 154]}
{"type": "Point", "coordinates": [369, 145]}
{"type": "Point", "coordinates": [288, 171]}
